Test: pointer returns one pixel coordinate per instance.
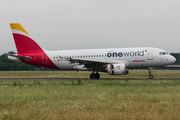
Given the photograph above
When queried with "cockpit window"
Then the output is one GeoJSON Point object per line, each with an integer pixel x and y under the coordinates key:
{"type": "Point", "coordinates": [163, 53]}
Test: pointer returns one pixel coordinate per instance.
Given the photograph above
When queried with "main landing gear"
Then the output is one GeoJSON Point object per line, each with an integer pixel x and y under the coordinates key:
{"type": "Point", "coordinates": [94, 76]}
{"type": "Point", "coordinates": [150, 75]}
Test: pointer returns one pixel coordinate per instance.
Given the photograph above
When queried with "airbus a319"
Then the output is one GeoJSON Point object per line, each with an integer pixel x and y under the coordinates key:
{"type": "Point", "coordinates": [115, 61]}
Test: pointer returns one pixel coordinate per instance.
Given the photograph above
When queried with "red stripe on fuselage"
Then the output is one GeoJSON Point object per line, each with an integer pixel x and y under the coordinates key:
{"type": "Point", "coordinates": [28, 47]}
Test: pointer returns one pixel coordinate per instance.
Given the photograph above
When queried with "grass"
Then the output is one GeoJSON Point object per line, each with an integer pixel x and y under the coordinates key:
{"type": "Point", "coordinates": [86, 99]}
{"type": "Point", "coordinates": [85, 74]}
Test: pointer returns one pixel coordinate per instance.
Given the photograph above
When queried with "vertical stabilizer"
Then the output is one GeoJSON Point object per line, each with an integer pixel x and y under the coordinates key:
{"type": "Point", "coordinates": [24, 42]}
{"type": "Point", "coordinates": [28, 50]}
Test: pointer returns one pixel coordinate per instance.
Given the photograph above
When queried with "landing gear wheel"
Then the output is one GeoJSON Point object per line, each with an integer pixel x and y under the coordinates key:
{"type": "Point", "coordinates": [94, 76]}
{"type": "Point", "coordinates": [91, 76]}
{"type": "Point", "coordinates": [97, 76]}
{"type": "Point", "coordinates": [150, 76]}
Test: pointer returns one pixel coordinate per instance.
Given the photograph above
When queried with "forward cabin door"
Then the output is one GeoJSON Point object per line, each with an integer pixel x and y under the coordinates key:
{"type": "Point", "coordinates": [44, 59]}
{"type": "Point", "coordinates": [149, 54]}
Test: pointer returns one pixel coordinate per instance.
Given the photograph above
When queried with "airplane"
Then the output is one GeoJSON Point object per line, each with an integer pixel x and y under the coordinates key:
{"type": "Point", "coordinates": [114, 61]}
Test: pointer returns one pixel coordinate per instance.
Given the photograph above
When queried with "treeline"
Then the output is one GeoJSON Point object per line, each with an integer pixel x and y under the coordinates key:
{"type": "Point", "coordinates": [8, 65]}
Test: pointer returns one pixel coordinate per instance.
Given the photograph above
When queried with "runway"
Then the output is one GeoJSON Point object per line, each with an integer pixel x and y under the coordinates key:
{"type": "Point", "coordinates": [89, 79]}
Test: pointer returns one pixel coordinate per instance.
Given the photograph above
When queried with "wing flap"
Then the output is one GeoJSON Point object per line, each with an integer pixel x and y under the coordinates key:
{"type": "Point", "coordinates": [90, 64]}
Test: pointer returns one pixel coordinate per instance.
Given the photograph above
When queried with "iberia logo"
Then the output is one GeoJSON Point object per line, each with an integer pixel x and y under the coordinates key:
{"type": "Point", "coordinates": [118, 67]}
{"type": "Point", "coordinates": [138, 60]}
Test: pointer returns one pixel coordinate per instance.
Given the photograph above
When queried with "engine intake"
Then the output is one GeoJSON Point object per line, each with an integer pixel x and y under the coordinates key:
{"type": "Point", "coordinates": [117, 69]}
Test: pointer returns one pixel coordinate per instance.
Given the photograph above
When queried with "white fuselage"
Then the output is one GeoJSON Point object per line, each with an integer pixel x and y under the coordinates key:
{"type": "Point", "coordinates": [131, 57]}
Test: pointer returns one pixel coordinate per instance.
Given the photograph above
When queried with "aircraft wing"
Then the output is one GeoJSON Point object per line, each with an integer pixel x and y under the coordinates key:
{"type": "Point", "coordinates": [93, 65]}
{"type": "Point", "coordinates": [90, 64]}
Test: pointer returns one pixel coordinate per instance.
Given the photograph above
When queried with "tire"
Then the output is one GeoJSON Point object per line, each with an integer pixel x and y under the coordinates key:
{"type": "Point", "coordinates": [150, 76]}
{"type": "Point", "coordinates": [91, 76]}
{"type": "Point", "coordinates": [96, 76]}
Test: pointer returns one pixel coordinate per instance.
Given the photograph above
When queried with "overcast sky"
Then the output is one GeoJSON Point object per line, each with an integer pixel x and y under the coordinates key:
{"type": "Point", "coordinates": [86, 24]}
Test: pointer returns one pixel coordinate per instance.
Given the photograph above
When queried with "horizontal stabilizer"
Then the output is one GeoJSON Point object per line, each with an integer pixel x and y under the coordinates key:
{"type": "Point", "coordinates": [23, 57]}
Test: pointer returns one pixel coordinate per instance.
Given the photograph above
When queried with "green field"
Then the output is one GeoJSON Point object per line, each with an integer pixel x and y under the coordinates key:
{"type": "Point", "coordinates": [88, 99]}
{"type": "Point", "coordinates": [102, 99]}
{"type": "Point", "coordinates": [85, 74]}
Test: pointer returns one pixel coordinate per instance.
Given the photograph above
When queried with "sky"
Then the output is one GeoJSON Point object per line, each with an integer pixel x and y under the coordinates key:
{"type": "Point", "coordinates": [91, 24]}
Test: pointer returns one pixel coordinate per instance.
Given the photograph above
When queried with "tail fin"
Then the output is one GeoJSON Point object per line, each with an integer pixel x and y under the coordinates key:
{"type": "Point", "coordinates": [24, 43]}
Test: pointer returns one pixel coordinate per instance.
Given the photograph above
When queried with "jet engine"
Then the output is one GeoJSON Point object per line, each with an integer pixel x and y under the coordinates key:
{"type": "Point", "coordinates": [117, 69]}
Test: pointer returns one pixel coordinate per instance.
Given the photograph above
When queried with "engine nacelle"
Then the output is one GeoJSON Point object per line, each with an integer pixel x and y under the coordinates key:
{"type": "Point", "coordinates": [117, 69]}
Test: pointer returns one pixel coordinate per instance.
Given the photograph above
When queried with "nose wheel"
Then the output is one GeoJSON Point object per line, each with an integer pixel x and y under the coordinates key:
{"type": "Point", "coordinates": [94, 76]}
{"type": "Point", "coordinates": [150, 75]}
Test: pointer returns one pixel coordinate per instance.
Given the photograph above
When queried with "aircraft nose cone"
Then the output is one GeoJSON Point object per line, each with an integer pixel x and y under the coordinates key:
{"type": "Point", "coordinates": [172, 59]}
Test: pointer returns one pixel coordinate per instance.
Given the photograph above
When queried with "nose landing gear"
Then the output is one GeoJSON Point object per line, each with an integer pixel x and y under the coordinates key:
{"type": "Point", "coordinates": [150, 75]}
{"type": "Point", "coordinates": [95, 76]}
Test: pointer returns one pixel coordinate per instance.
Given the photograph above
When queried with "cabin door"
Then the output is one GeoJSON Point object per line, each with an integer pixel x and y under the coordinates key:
{"type": "Point", "coordinates": [44, 58]}
{"type": "Point", "coordinates": [149, 54]}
